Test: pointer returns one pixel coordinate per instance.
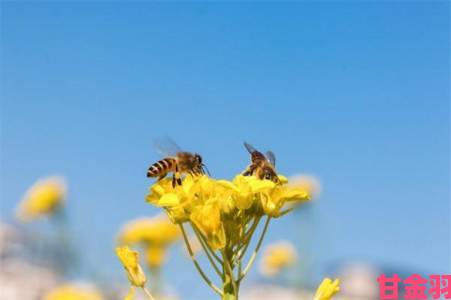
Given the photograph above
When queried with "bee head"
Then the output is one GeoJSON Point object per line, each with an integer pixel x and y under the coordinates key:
{"type": "Point", "coordinates": [200, 166]}
{"type": "Point", "coordinates": [198, 158]}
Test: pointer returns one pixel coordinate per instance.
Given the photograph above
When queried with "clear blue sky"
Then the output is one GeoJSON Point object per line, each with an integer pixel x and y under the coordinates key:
{"type": "Point", "coordinates": [355, 93]}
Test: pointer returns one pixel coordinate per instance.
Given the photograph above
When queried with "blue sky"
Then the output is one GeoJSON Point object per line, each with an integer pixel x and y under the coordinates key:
{"type": "Point", "coordinates": [355, 93]}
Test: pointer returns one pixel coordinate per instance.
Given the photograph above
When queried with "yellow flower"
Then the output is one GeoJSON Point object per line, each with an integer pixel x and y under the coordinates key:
{"type": "Point", "coordinates": [273, 200]}
{"type": "Point", "coordinates": [327, 289]}
{"type": "Point", "coordinates": [277, 257]}
{"type": "Point", "coordinates": [208, 219]}
{"type": "Point", "coordinates": [43, 198]}
{"type": "Point", "coordinates": [158, 231]}
{"type": "Point", "coordinates": [242, 190]}
{"type": "Point", "coordinates": [176, 200]}
{"type": "Point", "coordinates": [155, 256]}
{"type": "Point", "coordinates": [246, 190]}
{"type": "Point", "coordinates": [72, 292]}
{"type": "Point", "coordinates": [129, 260]}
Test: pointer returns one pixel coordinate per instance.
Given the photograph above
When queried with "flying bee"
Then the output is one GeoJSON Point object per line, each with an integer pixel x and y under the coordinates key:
{"type": "Point", "coordinates": [176, 161]}
{"type": "Point", "coordinates": [263, 167]}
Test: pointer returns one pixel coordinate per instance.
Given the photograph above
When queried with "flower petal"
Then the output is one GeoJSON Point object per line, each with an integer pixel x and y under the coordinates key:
{"type": "Point", "coordinates": [169, 200]}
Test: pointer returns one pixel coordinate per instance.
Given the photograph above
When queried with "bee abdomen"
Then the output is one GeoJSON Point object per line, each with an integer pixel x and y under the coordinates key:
{"type": "Point", "coordinates": [161, 167]}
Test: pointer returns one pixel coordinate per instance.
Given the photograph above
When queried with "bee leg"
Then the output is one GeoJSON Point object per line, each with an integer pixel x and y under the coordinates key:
{"type": "Point", "coordinates": [249, 171]}
{"type": "Point", "coordinates": [173, 180]}
{"type": "Point", "coordinates": [176, 177]}
{"type": "Point", "coordinates": [161, 177]}
{"type": "Point", "coordinates": [176, 181]}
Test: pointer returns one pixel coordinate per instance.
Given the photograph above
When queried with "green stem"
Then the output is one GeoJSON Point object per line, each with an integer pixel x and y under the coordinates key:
{"type": "Point", "coordinates": [254, 254]}
{"type": "Point", "coordinates": [196, 264]}
{"type": "Point", "coordinates": [199, 233]}
{"type": "Point", "coordinates": [246, 236]}
{"type": "Point", "coordinates": [207, 250]}
{"type": "Point", "coordinates": [229, 270]}
{"type": "Point", "coordinates": [247, 239]}
{"type": "Point", "coordinates": [156, 283]}
{"type": "Point", "coordinates": [284, 212]}
{"type": "Point", "coordinates": [238, 282]}
{"type": "Point", "coordinates": [146, 291]}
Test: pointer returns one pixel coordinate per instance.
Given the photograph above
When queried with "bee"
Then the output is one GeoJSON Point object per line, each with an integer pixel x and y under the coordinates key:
{"type": "Point", "coordinates": [263, 167]}
{"type": "Point", "coordinates": [180, 162]}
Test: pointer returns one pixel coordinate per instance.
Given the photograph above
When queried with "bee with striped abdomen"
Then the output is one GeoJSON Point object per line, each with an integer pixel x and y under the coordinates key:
{"type": "Point", "coordinates": [181, 162]}
{"type": "Point", "coordinates": [263, 167]}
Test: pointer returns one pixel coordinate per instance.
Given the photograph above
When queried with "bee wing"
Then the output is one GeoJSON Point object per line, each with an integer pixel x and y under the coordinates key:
{"type": "Point", "coordinates": [167, 147]}
{"type": "Point", "coordinates": [250, 148]}
{"type": "Point", "coordinates": [271, 157]}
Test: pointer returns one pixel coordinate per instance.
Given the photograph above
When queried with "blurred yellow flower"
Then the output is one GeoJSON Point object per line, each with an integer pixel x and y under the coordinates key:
{"type": "Point", "coordinates": [131, 294]}
{"type": "Point", "coordinates": [327, 289]}
{"type": "Point", "coordinates": [277, 257]}
{"type": "Point", "coordinates": [72, 292]}
{"type": "Point", "coordinates": [158, 231]}
{"type": "Point", "coordinates": [310, 184]}
{"type": "Point", "coordinates": [129, 260]}
{"type": "Point", "coordinates": [156, 234]}
{"type": "Point", "coordinates": [43, 198]}
{"type": "Point", "coordinates": [155, 256]}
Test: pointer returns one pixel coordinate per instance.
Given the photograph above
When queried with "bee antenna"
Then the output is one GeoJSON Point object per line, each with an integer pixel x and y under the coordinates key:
{"type": "Point", "coordinates": [204, 168]}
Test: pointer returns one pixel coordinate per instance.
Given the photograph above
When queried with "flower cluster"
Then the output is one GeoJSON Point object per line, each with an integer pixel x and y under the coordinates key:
{"type": "Point", "coordinates": [224, 215]}
{"type": "Point", "coordinates": [219, 209]}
